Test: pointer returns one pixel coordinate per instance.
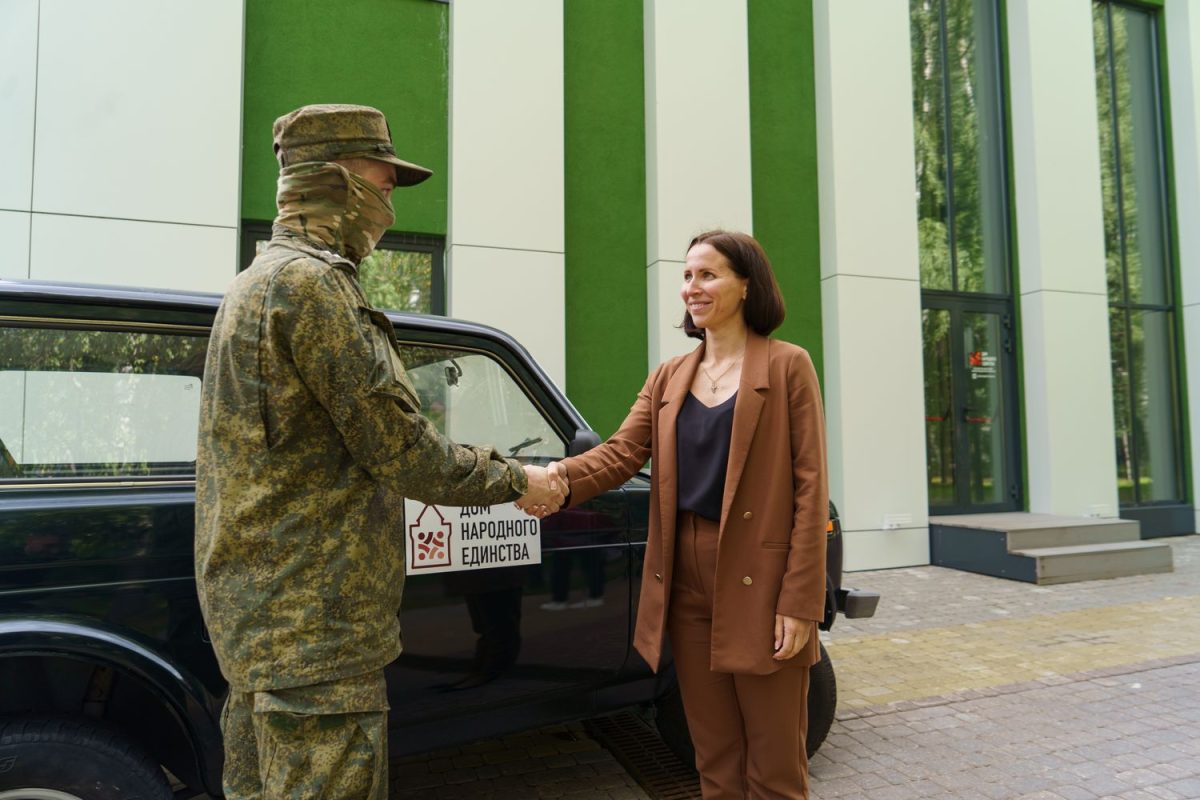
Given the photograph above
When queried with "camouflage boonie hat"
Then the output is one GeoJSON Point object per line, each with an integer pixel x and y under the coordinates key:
{"type": "Point", "coordinates": [331, 132]}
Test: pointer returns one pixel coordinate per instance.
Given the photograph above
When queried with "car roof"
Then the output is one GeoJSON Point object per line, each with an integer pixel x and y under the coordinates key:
{"type": "Point", "coordinates": [135, 296]}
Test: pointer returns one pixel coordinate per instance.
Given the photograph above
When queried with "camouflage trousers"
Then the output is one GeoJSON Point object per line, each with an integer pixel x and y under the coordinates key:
{"type": "Point", "coordinates": [326, 741]}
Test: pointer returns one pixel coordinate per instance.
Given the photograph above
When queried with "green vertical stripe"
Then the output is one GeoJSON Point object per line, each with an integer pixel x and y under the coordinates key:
{"type": "Point", "coordinates": [391, 54]}
{"type": "Point", "coordinates": [605, 222]}
{"type": "Point", "coordinates": [783, 142]}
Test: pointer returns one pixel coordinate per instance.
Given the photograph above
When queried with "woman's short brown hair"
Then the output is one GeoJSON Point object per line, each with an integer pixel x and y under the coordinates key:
{"type": "Point", "coordinates": [764, 309]}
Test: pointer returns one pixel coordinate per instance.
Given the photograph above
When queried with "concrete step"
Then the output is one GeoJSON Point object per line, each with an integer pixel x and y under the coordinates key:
{"type": "Point", "coordinates": [1044, 548]}
{"type": "Point", "coordinates": [1097, 561]}
{"type": "Point", "coordinates": [1070, 533]}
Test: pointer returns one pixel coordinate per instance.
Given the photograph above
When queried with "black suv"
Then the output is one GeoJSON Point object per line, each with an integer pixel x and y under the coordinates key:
{"type": "Point", "coordinates": [108, 684]}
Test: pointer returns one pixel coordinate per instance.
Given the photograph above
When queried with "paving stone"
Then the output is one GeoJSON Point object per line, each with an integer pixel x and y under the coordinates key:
{"type": "Point", "coordinates": [1189, 787]}
{"type": "Point", "coordinates": [1075, 793]}
{"type": "Point", "coordinates": [963, 686]}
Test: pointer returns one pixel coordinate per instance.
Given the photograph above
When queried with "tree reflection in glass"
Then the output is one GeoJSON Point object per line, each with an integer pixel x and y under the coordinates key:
{"type": "Point", "coordinates": [1138, 263]}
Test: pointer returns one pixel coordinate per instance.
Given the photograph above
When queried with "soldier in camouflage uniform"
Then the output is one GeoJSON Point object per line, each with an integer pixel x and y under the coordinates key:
{"type": "Point", "coordinates": [310, 438]}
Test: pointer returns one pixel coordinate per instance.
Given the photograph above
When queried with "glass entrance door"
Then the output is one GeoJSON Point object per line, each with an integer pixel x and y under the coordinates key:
{"type": "Point", "coordinates": [970, 410]}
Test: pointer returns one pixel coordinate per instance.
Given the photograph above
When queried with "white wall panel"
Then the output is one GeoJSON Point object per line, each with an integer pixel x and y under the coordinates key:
{"type": "Point", "coordinates": [697, 75]}
{"type": "Point", "coordinates": [664, 304]}
{"type": "Point", "coordinates": [521, 293]}
{"type": "Point", "coordinates": [865, 139]}
{"type": "Point", "coordinates": [1183, 50]}
{"type": "Point", "coordinates": [874, 415]}
{"type": "Point", "coordinates": [1068, 401]}
{"type": "Point", "coordinates": [1064, 326]}
{"type": "Point", "coordinates": [870, 290]}
{"type": "Point", "coordinates": [1191, 323]}
{"type": "Point", "coordinates": [506, 144]}
{"type": "Point", "coordinates": [886, 549]}
{"type": "Point", "coordinates": [139, 110]}
{"type": "Point", "coordinates": [144, 417]}
{"type": "Point", "coordinates": [14, 236]}
{"type": "Point", "coordinates": [88, 250]}
{"type": "Point", "coordinates": [1056, 146]}
{"type": "Point", "coordinates": [12, 409]}
{"type": "Point", "coordinates": [697, 121]}
{"type": "Point", "coordinates": [505, 259]}
{"type": "Point", "coordinates": [18, 76]}
{"type": "Point", "coordinates": [664, 311]}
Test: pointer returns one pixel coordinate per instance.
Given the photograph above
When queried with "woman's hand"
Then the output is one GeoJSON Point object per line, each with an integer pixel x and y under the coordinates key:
{"type": "Point", "coordinates": [790, 635]}
{"type": "Point", "coordinates": [547, 490]}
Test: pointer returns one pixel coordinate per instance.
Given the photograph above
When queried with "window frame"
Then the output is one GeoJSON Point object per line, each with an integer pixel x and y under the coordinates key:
{"type": "Point", "coordinates": [254, 231]}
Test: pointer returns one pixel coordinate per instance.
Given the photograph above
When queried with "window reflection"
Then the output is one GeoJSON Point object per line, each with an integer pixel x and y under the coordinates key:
{"type": "Point", "coordinates": [939, 407]}
{"type": "Point", "coordinates": [1138, 262]}
{"type": "Point", "coordinates": [394, 278]}
{"type": "Point", "coordinates": [98, 403]}
{"type": "Point", "coordinates": [961, 200]}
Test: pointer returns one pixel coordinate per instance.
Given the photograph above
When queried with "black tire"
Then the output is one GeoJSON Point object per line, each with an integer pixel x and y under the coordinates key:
{"type": "Point", "coordinates": [672, 726]}
{"type": "Point", "coordinates": [822, 703]}
{"type": "Point", "coordinates": [75, 758]}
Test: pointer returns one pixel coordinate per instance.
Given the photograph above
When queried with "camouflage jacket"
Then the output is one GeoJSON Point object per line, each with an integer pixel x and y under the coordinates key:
{"type": "Point", "coordinates": [310, 438]}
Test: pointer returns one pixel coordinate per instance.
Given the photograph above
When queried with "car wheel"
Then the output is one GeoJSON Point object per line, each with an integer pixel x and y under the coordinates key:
{"type": "Point", "coordinates": [67, 759]}
{"type": "Point", "coordinates": [672, 725]}
{"type": "Point", "coordinates": [822, 703]}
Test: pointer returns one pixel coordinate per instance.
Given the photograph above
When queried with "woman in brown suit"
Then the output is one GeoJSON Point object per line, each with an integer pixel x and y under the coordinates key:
{"type": "Point", "coordinates": [735, 562]}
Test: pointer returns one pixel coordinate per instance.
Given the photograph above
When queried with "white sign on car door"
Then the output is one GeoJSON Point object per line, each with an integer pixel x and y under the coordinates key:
{"type": "Point", "coordinates": [455, 538]}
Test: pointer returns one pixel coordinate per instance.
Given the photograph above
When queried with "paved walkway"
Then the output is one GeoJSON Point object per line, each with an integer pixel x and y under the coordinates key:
{"type": "Point", "coordinates": [558, 761]}
{"type": "Point", "coordinates": [939, 631]}
{"type": "Point", "coordinates": [962, 686]}
{"type": "Point", "coordinates": [965, 686]}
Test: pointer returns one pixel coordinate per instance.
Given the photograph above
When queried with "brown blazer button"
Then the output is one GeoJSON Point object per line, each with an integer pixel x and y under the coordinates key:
{"type": "Point", "coordinates": [747, 580]}
{"type": "Point", "coordinates": [658, 577]}
{"type": "Point", "coordinates": [748, 515]}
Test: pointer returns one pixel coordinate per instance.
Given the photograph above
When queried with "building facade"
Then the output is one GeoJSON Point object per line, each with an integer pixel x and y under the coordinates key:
{"type": "Point", "coordinates": [982, 212]}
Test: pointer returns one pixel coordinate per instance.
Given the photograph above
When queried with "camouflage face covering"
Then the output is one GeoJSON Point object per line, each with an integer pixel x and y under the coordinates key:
{"type": "Point", "coordinates": [327, 203]}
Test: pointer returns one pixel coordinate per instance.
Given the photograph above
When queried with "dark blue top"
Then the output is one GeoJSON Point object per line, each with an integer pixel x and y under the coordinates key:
{"type": "Point", "coordinates": [702, 437]}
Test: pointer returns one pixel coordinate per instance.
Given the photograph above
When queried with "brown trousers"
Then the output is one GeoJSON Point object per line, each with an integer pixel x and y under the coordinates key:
{"type": "Point", "coordinates": [748, 730]}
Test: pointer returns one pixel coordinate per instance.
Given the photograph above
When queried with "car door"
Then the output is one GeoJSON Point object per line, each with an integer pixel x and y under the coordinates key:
{"type": "Point", "coordinates": [490, 642]}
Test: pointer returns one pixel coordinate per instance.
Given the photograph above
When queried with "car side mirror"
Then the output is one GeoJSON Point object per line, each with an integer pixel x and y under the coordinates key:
{"type": "Point", "coordinates": [583, 441]}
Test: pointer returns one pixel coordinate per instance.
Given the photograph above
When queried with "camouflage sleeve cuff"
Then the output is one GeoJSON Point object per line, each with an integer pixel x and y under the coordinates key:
{"type": "Point", "coordinates": [520, 483]}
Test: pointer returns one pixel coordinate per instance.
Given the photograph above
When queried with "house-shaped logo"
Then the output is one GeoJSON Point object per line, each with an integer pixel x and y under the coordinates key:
{"type": "Point", "coordinates": [429, 540]}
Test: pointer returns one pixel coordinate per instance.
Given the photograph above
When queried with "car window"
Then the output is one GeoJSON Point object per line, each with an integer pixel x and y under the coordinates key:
{"type": "Point", "coordinates": [473, 399]}
{"type": "Point", "coordinates": [91, 403]}
{"type": "Point", "coordinates": [121, 403]}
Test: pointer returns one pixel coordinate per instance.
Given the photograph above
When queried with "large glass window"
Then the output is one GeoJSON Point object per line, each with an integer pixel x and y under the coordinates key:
{"type": "Point", "coordinates": [957, 114]}
{"type": "Point", "coordinates": [404, 273]}
{"type": "Point", "coordinates": [971, 446]}
{"type": "Point", "coordinates": [1138, 255]}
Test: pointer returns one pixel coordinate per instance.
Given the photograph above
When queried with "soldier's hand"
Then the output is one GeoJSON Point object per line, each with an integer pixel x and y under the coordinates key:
{"type": "Point", "coordinates": [546, 492]}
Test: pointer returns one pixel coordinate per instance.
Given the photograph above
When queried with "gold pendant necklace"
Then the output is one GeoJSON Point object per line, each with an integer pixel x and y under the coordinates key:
{"type": "Point", "coordinates": [713, 381]}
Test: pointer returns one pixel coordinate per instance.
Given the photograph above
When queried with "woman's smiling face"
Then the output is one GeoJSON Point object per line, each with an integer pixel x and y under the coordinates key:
{"type": "Point", "coordinates": [712, 291]}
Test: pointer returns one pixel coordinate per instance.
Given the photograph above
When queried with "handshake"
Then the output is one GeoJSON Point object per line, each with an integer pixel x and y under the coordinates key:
{"type": "Point", "coordinates": [548, 490]}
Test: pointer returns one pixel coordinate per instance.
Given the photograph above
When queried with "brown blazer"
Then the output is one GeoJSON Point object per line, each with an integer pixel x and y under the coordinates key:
{"type": "Point", "coordinates": [771, 553]}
